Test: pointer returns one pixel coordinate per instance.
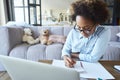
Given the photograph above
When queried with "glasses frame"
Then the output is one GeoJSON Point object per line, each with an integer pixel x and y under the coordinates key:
{"type": "Point", "coordinates": [77, 28]}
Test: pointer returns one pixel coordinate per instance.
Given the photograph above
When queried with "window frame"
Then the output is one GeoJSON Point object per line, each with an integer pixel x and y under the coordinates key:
{"type": "Point", "coordinates": [11, 10]}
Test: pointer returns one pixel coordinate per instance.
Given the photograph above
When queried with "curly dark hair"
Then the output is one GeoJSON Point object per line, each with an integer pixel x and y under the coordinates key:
{"type": "Point", "coordinates": [95, 10]}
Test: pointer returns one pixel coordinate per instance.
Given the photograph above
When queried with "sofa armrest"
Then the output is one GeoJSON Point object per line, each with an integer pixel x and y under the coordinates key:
{"type": "Point", "coordinates": [9, 38]}
{"type": "Point", "coordinates": [114, 44]}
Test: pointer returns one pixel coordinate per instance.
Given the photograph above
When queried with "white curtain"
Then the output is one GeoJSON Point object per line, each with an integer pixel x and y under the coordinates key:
{"type": "Point", "coordinates": [3, 14]}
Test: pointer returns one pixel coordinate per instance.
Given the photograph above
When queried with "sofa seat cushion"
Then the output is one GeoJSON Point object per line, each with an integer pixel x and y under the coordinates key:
{"type": "Point", "coordinates": [54, 51]}
{"type": "Point", "coordinates": [41, 52]}
{"type": "Point", "coordinates": [36, 52]}
{"type": "Point", "coordinates": [20, 51]}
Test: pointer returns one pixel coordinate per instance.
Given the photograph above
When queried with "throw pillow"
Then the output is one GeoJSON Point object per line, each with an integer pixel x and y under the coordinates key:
{"type": "Point", "coordinates": [118, 34]}
{"type": "Point", "coordinates": [57, 38]}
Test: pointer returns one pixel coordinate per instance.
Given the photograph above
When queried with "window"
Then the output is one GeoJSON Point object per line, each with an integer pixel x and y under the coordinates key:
{"type": "Point", "coordinates": [54, 13]}
{"type": "Point", "coordinates": [20, 10]}
{"type": "Point", "coordinates": [25, 11]}
{"type": "Point", "coordinates": [34, 11]}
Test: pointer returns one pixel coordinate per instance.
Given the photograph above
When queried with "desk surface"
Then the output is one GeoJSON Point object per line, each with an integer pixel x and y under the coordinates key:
{"type": "Point", "coordinates": [107, 64]}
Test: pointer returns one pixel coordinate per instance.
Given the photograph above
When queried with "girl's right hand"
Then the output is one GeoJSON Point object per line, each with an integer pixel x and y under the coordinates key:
{"type": "Point", "coordinates": [69, 62]}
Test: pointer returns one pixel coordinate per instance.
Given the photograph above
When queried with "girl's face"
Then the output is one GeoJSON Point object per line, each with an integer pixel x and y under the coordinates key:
{"type": "Point", "coordinates": [85, 26]}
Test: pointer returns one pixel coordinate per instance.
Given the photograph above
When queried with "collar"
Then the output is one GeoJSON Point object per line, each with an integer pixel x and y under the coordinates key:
{"type": "Point", "coordinates": [97, 32]}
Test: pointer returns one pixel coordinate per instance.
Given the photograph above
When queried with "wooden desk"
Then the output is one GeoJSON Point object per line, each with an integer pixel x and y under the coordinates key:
{"type": "Point", "coordinates": [107, 64]}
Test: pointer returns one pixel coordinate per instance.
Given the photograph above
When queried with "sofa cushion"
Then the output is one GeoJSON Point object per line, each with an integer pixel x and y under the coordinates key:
{"type": "Point", "coordinates": [10, 37]}
{"type": "Point", "coordinates": [53, 30]}
{"type": "Point", "coordinates": [67, 30]}
{"type": "Point", "coordinates": [112, 53]}
{"type": "Point", "coordinates": [57, 38]}
{"type": "Point", "coordinates": [57, 30]}
{"type": "Point", "coordinates": [114, 44]}
{"type": "Point", "coordinates": [118, 35]}
{"type": "Point", "coordinates": [41, 52]}
{"type": "Point", "coordinates": [54, 51]}
{"type": "Point", "coordinates": [114, 31]}
{"type": "Point", "coordinates": [35, 32]}
{"type": "Point", "coordinates": [36, 52]}
{"type": "Point", "coordinates": [20, 51]}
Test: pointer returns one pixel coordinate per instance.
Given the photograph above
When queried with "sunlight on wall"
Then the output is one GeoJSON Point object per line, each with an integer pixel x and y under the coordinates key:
{"type": "Point", "coordinates": [55, 12]}
{"type": "Point", "coordinates": [2, 13]}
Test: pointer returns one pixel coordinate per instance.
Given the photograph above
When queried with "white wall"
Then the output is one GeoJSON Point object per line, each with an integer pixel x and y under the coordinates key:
{"type": "Point", "coordinates": [56, 6]}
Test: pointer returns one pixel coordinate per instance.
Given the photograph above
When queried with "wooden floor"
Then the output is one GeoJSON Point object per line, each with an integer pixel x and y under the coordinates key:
{"type": "Point", "coordinates": [4, 76]}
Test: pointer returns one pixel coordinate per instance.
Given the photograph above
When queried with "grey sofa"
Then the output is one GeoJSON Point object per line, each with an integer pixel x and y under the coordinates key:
{"type": "Point", "coordinates": [113, 49]}
{"type": "Point", "coordinates": [11, 44]}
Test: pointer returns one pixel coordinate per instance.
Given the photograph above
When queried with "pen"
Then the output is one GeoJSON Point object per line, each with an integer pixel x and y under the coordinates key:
{"type": "Point", "coordinates": [81, 64]}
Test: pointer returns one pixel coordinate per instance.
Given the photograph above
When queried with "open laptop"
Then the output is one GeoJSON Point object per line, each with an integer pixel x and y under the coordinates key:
{"type": "Point", "coordinates": [20, 69]}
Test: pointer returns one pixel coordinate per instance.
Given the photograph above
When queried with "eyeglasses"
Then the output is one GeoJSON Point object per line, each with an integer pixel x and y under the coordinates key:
{"type": "Point", "coordinates": [85, 29]}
